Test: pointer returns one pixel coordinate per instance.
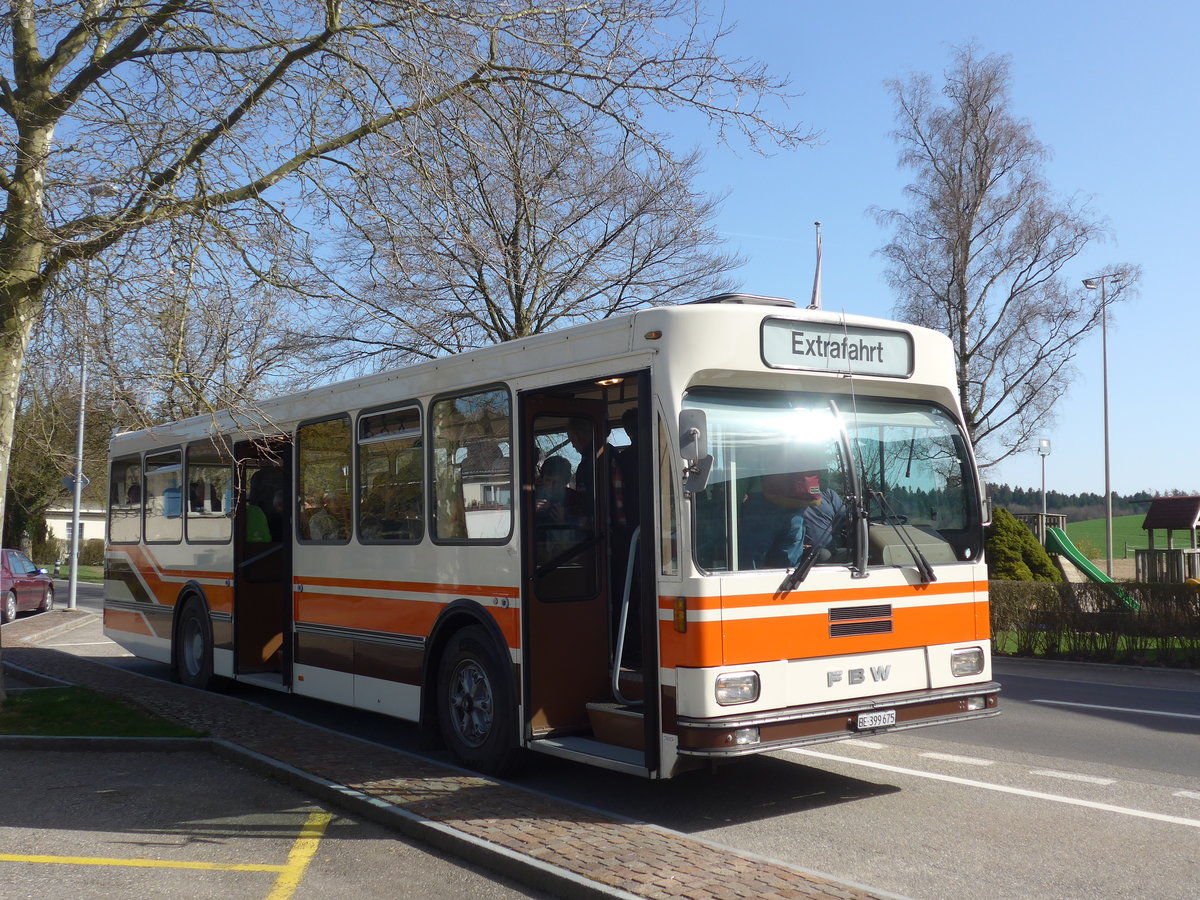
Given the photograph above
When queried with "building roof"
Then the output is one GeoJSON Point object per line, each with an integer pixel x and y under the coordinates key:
{"type": "Point", "coordinates": [1172, 514]}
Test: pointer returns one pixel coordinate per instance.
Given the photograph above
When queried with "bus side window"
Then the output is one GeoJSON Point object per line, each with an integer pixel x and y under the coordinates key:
{"type": "Point", "coordinates": [164, 497]}
{"type": "Point", "coordinates": [472, 466]}
{"type": "Point", "coordinates": [391, 476]}
{"type": "Point", "coordinates": [125, 501]}
{"type": "Point", "coordinates": [323, 488]}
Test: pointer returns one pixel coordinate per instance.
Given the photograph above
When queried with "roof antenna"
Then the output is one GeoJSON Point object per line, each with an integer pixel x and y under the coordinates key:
{"type": "Point", "coordinates": [816, 294]}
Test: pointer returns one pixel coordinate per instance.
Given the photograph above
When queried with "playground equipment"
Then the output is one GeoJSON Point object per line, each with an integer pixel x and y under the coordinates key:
{"type": "Point", "coordinates": [1058, 542]}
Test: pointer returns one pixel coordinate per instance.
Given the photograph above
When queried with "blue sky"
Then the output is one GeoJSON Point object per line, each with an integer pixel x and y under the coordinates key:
{"type": "Point", "coordinates": [1112, 89]}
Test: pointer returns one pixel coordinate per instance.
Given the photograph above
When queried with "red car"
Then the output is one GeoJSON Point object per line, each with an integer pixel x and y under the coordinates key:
{"type": "Point", "coordinates": [22, 586]}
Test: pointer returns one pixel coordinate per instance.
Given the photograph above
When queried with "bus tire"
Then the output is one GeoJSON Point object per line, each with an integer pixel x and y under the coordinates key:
{"type": "Point", "coordinates": [194, 646]}
{"type": "Point", "coordinates": [476, 712]}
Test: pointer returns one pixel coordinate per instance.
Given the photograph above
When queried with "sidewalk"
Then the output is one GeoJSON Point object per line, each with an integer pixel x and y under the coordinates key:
{"type": "Point", "coordinates": [548, 844]}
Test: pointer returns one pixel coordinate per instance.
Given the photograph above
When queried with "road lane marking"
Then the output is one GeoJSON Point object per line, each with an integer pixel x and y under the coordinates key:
{"type": "Point", "coordinates": [1073, 776]}
{"type": "Point", "coordinates": [968, 760]}
{"type": "Point", "coordinates": [1187, 795]}
{"type": "Point", "coordinates": [1123, 709]}
{"type": "Point", "coordinates": [290, 874]}
{"type": "Point", "coordinates": [302, 853]}
{"type": "Point", "coordinates": [1003, 789]}
{"type": "Point", "coordinates": [859, 742]}
{"type": "Point", "coordinates": [139, 863]}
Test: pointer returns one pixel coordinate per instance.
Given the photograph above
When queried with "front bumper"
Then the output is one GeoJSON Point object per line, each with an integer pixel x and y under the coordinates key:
{"type": "Point", "coordinates": [796, 726]}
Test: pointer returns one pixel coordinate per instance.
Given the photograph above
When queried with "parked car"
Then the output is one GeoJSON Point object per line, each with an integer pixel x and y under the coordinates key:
{"type": "Point", "coordinates": [22, 586]}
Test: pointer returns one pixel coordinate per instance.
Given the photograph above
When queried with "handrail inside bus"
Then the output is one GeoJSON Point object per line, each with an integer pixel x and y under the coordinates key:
{"type": "Point", "coordinates": [619, 649]}
{"type": "Point", "coordinates": [263, 555]}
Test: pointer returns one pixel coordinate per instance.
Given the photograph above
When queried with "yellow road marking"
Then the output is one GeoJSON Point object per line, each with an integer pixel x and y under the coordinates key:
{"type": "Point", "coordinates": [140, 863]}
{"type": "Point", "coordinates": [302, 853]}
{"type": "Point", "coordinates": [290, 873]}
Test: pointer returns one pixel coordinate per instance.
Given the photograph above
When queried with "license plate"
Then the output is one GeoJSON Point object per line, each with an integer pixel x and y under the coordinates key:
{"type": "Point", "coordinates": [876, 719]}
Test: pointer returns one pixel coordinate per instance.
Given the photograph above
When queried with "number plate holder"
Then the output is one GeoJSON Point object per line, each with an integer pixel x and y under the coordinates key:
{"type": "Point", "coordinates": [882, 719]}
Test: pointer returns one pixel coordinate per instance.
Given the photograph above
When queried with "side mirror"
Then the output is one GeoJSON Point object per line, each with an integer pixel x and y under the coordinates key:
{"type": "Point", "coordinates": [693, 446]}
{"type": "Point", "coordinates": [693, 434]}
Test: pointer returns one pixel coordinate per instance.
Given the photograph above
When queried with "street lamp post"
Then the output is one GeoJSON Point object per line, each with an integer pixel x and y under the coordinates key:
{"type": "Point", "coordinates": [1043, 452]}
{"type": "Point", "coordinates": [1101, 281]}
{"type": "Point", "coordinates": [73, 583]}
{"type": "Point", "coordinates": [95, 192]}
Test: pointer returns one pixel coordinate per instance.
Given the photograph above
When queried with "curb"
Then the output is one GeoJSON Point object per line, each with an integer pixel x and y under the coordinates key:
{"type": "Point", "coordinates": [84, 617]}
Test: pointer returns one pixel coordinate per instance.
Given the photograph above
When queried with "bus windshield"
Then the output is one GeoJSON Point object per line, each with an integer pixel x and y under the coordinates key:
{"type": "Point", "coordinates": [781, 480]}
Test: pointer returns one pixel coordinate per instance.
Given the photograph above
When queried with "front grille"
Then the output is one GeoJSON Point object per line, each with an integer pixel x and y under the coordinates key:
{"type": "Point", "coordinates": [879, 611]}
{"type": "Point", "coordinates": [849, 629]}
{"type": "Point", "coordinates": [848, 621]}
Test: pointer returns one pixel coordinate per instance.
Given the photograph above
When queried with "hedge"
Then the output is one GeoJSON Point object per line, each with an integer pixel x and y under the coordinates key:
{"type": "Point", "coordinates": [1093, 622]}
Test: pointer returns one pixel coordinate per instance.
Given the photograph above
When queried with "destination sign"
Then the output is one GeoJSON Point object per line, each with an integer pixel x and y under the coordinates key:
{"type": "Point", "coordinates": [829, 347]}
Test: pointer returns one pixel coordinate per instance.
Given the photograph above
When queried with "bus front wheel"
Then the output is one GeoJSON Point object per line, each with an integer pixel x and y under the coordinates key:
{"type": "Point", "coordinates": [476, 712]}
{"type": "Point", "coordinates": [194, 647]}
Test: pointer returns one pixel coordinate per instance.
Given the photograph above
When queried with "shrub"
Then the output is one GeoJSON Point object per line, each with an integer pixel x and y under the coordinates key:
{"type": "Point", "coordinates": [45, 546]}
{"type": "Point", "coordinates": [1093, 622]}
{"type": "Point", "coordinates": [1014, 554]}
{"type": "Point", "coordinates": [92, 552]}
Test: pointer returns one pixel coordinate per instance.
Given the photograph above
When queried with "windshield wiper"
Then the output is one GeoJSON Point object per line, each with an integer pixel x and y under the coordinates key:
{"type": "Point", "coordinates": [919, 560]}
{"type": "Point", "coordinates": [803, 566]}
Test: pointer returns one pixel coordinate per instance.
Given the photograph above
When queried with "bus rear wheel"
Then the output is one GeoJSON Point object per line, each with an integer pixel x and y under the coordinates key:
{"type": "Point", "coordinates": [476, 712]}
{"type": "Point", "coordinates": [194, 647]}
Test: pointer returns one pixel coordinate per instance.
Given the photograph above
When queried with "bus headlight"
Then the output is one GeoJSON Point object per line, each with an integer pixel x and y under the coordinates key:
{"type": "Point", "coordinates": [737, 687]}
{"type": "Point", "coordinates": [967, 661]}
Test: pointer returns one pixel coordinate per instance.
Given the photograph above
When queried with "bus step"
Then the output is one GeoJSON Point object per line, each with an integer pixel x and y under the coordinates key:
{"type": "Point", "coordinates": [619, 725]}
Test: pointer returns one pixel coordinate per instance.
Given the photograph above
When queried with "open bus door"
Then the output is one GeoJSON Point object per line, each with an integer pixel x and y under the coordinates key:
{"type": "Point", "coordinates": [575, 543]}
{"type": "Point", "coordinates": [262, 555]}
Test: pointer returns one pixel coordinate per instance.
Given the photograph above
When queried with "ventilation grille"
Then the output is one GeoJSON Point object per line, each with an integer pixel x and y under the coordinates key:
{"type": "Point", "coordinates": [848, 621]}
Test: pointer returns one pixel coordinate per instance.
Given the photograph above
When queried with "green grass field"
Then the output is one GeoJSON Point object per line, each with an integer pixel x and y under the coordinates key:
{"type": "Point", "coordinates": [1127, 536]}
{"type": "Point", "coordinates": [77, 711]}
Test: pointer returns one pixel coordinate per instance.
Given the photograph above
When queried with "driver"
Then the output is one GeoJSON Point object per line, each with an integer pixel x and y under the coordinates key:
{"type": "Point", "coordinates": [823, 515]}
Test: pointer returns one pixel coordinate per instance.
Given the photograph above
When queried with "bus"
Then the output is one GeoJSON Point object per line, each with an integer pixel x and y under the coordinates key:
{"type": "Point", "coordinates": [650, 543]}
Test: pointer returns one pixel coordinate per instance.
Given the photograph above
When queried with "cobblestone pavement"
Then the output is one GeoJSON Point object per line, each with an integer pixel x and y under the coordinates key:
{"type": "Point", "coordinates": [550, 844]}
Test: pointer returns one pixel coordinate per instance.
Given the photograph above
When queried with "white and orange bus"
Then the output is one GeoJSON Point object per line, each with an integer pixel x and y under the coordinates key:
{"type": "Point", "coordinates": [668, 538]}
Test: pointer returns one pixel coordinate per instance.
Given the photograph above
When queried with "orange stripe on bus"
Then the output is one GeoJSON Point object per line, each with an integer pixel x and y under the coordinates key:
{"type": "Point", "coordinates": [129, 622]}
{"type": "Point", "coordinates": [833, 595]}
{"type": "Point", "coordinates": [746, 641]}
{"type": "Point", "coordinates": [415, 587]}
{"type": "Point", "coordinates": [220, 596]}
{"type": "Point", "coordinates": [389, 615]}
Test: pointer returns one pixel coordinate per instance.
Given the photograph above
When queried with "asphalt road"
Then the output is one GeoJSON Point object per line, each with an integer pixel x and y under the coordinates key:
{"type": "Point", "coordinates": [1088, 785]}
{"type": "Point", "coordinates": [179, 825]}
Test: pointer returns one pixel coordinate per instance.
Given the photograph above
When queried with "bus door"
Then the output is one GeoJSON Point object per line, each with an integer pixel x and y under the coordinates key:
{"type": "Point", "coordinates": [564, 516]}
{"type": "Point", "coordinates": [262, 557]}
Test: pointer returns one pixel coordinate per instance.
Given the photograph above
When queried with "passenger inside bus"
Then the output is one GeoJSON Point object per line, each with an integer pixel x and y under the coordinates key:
{"type": "Point", "coordinates": [331, 522]}
{"type": "Point", "coordinates": [264, 506]}
{"type": "Point", "coordinates": [772, 523]}
{"type": "Point", "coordinates": [555, 502]}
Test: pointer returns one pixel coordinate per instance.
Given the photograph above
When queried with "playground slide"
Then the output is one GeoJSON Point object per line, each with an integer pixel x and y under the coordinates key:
{"type": "Point", "coordinates": [1058, 542]}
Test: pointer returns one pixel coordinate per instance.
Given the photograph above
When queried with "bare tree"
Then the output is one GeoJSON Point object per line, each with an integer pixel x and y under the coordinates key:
{"type": "Point", "coordinates": [119, 115]}
{"type": "Point", "coordinates": [507, 214]}
{"type": "Point", "coordinates": [179, 326]}
{"type": "Point", "coordinates": [981, 252]}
